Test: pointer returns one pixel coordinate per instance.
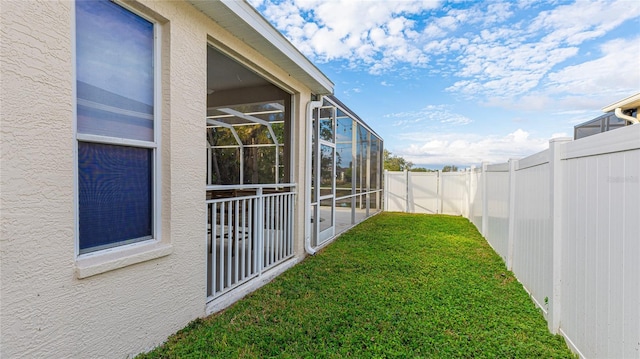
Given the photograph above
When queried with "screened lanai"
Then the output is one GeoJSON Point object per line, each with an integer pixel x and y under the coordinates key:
{"type": "Point", "coordinates": [346, 170]}
{"type": "Point", "coordinates": [250, 195]}
{"type": "Point", "coordinates": [257, 180]}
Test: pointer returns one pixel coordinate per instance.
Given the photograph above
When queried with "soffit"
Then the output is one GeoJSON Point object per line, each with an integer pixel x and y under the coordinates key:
{"type": "Point", "coordinates": [245, 23]}
{"type": "Point", "coordinates": [223, 73]}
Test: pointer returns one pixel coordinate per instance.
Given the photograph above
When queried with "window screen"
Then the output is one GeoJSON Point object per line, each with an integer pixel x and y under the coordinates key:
{"type": "Point", "coordinates": [115, 196]}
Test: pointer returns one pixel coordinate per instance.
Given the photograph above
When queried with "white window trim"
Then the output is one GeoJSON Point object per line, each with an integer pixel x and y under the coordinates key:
{"type": "Point", "coordinates": [98, 262]}
{"type": "Point", "coordinates": [115, 141]}
{"type": "Point", "coordinates": [105, 260]}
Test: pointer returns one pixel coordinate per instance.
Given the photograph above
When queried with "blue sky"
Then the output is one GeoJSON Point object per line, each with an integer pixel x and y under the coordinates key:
{"type": "Point", "coordinates": [462, 82]}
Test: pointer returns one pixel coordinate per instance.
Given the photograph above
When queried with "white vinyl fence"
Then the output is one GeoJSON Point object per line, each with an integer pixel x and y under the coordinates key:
{"type": "Point", "coordinates": [566, 221]}
{"type": "Point", "coordinates": [423, 192]}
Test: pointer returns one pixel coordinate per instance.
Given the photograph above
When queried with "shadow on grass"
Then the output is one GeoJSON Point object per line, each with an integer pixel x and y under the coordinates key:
{"type": "Point", "coordinates": [397, 285]}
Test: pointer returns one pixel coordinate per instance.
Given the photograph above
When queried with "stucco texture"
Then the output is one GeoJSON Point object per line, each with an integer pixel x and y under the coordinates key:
{"type": "Point", "coordinates": [45, 309]}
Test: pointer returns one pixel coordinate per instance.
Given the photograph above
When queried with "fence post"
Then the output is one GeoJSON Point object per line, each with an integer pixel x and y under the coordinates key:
{"type": "Point", "coordinates": [467, 182]}
{"type": "Point", "coordinates": [513, 165]}
{"type": "Point", "coordinates": [385, 181]}
{"type": "Point", "coordinates": [439, 194]}
{"type": "Point", "coordinates": [473, 188]}
{"type": "Point", "coordinates": [485, 201]}
{"type": "Point", "coordinates": [556, 182]}
{"type": "Point", "coordinates": [406, 183]}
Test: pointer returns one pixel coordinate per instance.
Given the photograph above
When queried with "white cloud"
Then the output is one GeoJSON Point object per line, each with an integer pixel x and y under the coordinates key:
{"type": "Point", "coordinates": [583, 20]}
{"type": "Point", "coordinates": [616, 72]}
{"type": "Point", "coordinates": [581, 88]}
{"type": "Point", "coordinates": [529, 71]}
{"type": "Point", "coordinates": [498, 12]}
{"type": "Point", "coordinates": [494, 68]}
{"type": "Point", "coordinates": [503, 55]}
{"type": "Point", "coordinates": [430, 117]}
{"type": "Point", "coordinates": [500, 53]}
{"type": "Point", "coordinates": [369, 32]}
{"type": "Point", "coordinates": [465, 149]}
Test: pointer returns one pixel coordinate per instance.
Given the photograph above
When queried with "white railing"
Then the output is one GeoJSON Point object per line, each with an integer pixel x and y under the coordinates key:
{"type": "Point", "coordinates": [566, 221]}
{"type": "Point", "coordinates": [249, 230]}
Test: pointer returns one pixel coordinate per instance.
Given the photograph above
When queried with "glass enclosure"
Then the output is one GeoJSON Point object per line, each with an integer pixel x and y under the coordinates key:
{"type": "Point", "coordinates": [606, 122]}
{"type": "Point", "coordinates": [347, 155]}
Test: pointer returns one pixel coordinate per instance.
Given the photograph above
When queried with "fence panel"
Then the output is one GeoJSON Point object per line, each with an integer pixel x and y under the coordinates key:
{"type": "Point", "coordinates": [431, 192]}
{"type": "Point", "coordinates": [396, 193]}
{"type": "Point", "coordinates": [453, 192]}
{"type": "Point", "coordinates": [601, 246]}
{"type": "Point", "coordinates": [533, 236]}
{"type": "Point", "coordinates": [498, 208]}
{"type": "Point", "coordinates": [423, 192]}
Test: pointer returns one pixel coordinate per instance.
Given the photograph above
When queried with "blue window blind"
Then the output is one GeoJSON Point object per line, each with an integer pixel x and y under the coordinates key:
{"type": "Point", "coordinates": [115, 195]}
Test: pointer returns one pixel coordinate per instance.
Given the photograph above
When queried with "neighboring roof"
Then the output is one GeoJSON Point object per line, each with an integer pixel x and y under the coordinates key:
{"type": "Point", "coordinates": [243, 21]}
{"type": "Point", "coordinates": [631, 102]}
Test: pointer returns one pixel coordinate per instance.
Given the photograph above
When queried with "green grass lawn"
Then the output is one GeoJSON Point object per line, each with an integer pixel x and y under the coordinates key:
{"type": "Point", "coordinates": [397, 285]}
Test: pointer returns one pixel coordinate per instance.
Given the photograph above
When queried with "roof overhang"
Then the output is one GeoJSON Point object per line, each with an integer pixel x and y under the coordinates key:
{"type": "Point", "coordinates": [631, 102]}
{"type": "Point", "coordinates": [244, 22]}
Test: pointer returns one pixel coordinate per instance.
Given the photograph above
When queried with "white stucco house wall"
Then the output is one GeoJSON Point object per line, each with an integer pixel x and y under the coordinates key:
{"type": "Point", "coordinates": [155, 166]}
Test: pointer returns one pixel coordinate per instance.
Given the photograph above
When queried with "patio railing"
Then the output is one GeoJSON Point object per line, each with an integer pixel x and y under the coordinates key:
{"type": "Point", "coordinates": [249, 230]}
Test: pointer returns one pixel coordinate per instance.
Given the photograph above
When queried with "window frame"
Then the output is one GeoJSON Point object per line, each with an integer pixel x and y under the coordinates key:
{"type": "Point", "coordinates": [90, 263]}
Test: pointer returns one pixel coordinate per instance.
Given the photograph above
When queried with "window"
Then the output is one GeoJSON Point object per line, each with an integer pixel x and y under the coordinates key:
{"type": "Point", "coordinates": [116, 126]}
